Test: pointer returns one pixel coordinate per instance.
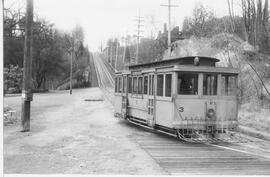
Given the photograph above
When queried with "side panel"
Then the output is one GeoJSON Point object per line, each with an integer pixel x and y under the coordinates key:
{"type": "Point", "coordinates": [164, 113]}
{"type": "Point", "coordinates": [188, 111]}
{"type": "Point", "coordinates": [137, 107]}
{"type": "Point", "coordinates": [227, 112]}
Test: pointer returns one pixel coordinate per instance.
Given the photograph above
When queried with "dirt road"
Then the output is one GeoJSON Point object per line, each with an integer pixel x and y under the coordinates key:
{"type": "Point", "coordinates": [72, 136]}
{"type": "Point", "coordinates": [69, 135]}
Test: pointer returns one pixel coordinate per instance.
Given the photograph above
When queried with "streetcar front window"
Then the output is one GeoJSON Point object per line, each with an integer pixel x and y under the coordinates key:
{"type": "Point", "coordinates": [187, 84]}
{"type": "Point", "coordinates": [228, 85]}
{"type": "Point", "coordinates": [210, 84]}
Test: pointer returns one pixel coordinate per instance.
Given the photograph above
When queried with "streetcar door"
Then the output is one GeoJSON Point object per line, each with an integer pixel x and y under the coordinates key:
{"type": "Point", "coordinates": [124, 97]}
{"type": "Point", "coordinates": [151, 101]}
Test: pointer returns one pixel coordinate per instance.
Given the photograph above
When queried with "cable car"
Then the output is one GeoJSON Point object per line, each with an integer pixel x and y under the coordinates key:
{"type": "Point", "coordinates": [188, 97]}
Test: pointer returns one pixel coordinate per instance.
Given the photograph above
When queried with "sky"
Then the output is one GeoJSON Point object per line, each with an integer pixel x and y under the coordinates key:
{"type": "Point", "coordinates": [103, 19]}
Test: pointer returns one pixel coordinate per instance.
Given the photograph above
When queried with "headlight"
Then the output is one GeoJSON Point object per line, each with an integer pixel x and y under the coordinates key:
{"type": "Point", "coordinates": [211, 113]}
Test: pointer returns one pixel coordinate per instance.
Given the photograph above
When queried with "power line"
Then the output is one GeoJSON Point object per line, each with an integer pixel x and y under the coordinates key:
{"type": "Point", "coordinates": [169, 5]}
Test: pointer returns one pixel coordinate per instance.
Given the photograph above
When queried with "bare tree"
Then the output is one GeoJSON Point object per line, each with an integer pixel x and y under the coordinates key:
{"type": "Point", "coordinates": [231, 14]}
{"type": "Point", "coordinates": [256, 21]}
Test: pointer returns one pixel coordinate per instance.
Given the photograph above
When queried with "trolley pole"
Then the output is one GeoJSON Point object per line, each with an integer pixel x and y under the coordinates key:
{"type": "Point", "coordinates": [27, 95]}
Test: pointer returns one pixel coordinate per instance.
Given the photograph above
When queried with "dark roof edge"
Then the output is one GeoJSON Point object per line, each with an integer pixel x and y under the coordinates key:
{"type": "Point", "coordinates": [169, 59]}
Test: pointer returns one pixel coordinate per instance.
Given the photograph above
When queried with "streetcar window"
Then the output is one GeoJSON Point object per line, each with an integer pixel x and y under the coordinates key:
{"type": "Point", "coordinates": [151, 85]}
{"type": "Point", "coordinates": [210, 84]}
{"type": "Point", "coordinates": [120, 85]}
{"type": "Point", "coordinates": [124, 84]}
{"type": "Point", "coordinates": [140, 85]}
{"type": "Point", "coordinates": [115, 86]}
{"type": "Point", "coordinates": [145, 84]}
{"type": "Point", "coordinates": [160, 81]}
{"type": "Point", "coordinates": [135, 85]}
{"type": "Point", "coordinates": [129, 84]}
{"type": "Point", "coordinates": [187, 84]}
{"type": "Point", "coordinates": [168, 85]}
{"type": "Point", "coordinates": [228, 85]}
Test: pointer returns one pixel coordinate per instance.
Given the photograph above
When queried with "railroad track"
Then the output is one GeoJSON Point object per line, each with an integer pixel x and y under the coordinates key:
{"type": "Point", "coordinates": [197, 158]}
{"type": "Point", "coordinates": [105, 78]}
{"type": "Point", "coordinates": [177, 157]}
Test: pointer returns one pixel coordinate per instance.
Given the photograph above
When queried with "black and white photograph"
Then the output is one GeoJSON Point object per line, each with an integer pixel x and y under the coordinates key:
{"type": "Point", "coordinates": [135, 87]}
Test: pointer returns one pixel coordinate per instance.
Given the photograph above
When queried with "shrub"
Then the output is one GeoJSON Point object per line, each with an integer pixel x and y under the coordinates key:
{"type": "Point", "coordinates": [13, 76]}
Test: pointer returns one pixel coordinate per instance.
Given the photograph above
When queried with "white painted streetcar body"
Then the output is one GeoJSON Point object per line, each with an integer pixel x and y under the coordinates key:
{"type": "Point", "coordinates": [187, 97]}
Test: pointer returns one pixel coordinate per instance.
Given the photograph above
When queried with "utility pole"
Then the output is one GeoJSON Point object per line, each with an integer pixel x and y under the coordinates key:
{"type": "Point", "coordinates": [116, 56]}
{"type": "Point", "coordinates": [139, 20]}
{"type": "Point", "coordinates": [27, 95]}
{"type": "Point", "coordinates": [71, 63]}
{"type": "Point", "coordinates": [124, 53]}
{"type": "Point", "coordinates": [169, 25]}
{"type": "Point", "coordinates": [111, 47]}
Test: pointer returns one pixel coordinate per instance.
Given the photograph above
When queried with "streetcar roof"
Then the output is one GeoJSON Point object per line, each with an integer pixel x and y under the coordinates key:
{"type": "Point", "coordinates": [204, 61]}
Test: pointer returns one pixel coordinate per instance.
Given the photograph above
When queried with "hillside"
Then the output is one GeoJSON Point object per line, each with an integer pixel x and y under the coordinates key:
{"type": "Point", "coordinates": [226, 47]}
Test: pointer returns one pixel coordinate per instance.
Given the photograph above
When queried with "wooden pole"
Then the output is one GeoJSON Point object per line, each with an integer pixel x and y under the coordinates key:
{"type": "Point", "coordinates": [139, 31]}
{"type": "Point", "coordinates": [27, 95]}
{"type": "Point", "coordinates": [116, 56]}
{"type": "Point", "coordinates": [70, 79]}
{"type": "Point", "coordinates": [111, 47]}
{"type": "Point", "coordinates": [124, 54]}
{"type": "Point", "coordinates": [169, 27]}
